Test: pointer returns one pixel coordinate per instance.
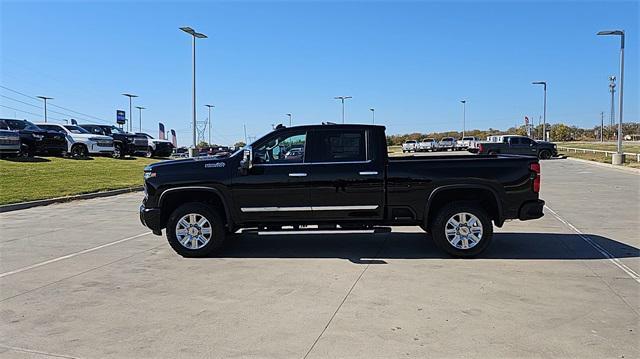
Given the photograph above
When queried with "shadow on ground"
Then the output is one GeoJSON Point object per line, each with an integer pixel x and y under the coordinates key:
{"type": "Point", "coordinates": [26, 159]}
{"type": "Point", "coordinates": [374, 248]}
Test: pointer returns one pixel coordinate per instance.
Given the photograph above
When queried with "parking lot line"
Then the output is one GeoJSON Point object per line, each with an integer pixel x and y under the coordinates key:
{"type": "Point", "coordinates": [597, 247]}
{"type": "Point", "coordinates": [19, 270]}
{"type": "Point", "coordinates": [30, 351]}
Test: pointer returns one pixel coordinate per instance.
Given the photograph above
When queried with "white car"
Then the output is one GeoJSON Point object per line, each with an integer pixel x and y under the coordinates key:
{"type": "Point", "coordinates": [466, 142]}
{"type": "Point", "coordinates": [80, 141]}
{"type": "Point", "coordinates": [447, 143]}
{"type": "Point", "coordinates": [428, 144]}
{"type": "Point", "coordinates": [409, 146]}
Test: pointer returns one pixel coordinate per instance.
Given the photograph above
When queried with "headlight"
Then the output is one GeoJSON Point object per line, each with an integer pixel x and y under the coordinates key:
{"type": "Point", "coordinates": [37, 137]}
{"type": "Point", "coordinates": [148, 175]}
{"type": "Point", "coordinates": [98, 139]}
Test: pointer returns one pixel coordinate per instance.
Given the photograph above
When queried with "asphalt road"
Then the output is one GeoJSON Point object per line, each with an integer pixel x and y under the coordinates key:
{"type": "Point", "coordinates": [85, 279]}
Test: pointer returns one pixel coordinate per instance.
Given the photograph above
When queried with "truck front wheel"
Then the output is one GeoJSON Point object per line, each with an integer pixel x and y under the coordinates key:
{"type": "Point", "coordinates": [195, 230]}
{"type": "Point", "coordinates": [462, 229]}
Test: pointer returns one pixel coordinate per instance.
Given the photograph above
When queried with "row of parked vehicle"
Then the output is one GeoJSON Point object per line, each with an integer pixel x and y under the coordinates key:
{"type": "Point", "coordinates": [506, 144]}
{"type": "Point", "coordinates": [23, 138]}
{"type": "Point", "coordinates": [445, 144]}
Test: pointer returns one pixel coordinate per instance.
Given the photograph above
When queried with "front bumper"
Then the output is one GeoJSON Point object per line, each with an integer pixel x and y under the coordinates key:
{"type": "Point", "coordinates": [531, 210]}
{"type": "Point", "coordinates": [150, 218]}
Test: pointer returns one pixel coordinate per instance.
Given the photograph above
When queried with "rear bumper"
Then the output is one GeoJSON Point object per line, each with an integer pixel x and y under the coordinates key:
{"type": "Point", "coordinates": [150, 218]}
{"type": "Point", "coordinates": [531, 210]}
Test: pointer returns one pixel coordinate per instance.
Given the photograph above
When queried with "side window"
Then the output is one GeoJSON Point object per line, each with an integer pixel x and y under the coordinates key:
{"type": "Point", "coordinates": [526, 141]}
{"type": "Point", "coordinates": [514, 140]}
{"type": "Point", "coordinates": [96, 130]}
{"type": "Point", "coordinates": [339, 146]}
{"type": "Point", "coordinates": [286, 148]}
{"type": "Point", "coordinates": [3, 125]}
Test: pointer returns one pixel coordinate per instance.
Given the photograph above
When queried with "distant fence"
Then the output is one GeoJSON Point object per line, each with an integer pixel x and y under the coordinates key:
{"type": "Point", "coordinates": [606, 153]}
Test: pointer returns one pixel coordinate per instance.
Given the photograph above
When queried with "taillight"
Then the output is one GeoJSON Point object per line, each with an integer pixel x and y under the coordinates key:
{"type": "Point", "coordinates": [480, 148]}
{"type": "Point", "coordinates": [535, 167]}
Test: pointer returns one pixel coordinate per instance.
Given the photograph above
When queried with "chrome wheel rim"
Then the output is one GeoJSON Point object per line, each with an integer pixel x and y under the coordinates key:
{"type": "Point", "coordinates": [463, 230]}
{"type": "Point", "coordinates": [193, 231]}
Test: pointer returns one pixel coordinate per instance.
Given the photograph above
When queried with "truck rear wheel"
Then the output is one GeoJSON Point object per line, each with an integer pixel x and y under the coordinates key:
{"type": "Point", "coordinates": [544, 155]}
{"type": "Point", "coordinates": [462, 229]}
{"type": "Point", "coordinates": [195, 230]}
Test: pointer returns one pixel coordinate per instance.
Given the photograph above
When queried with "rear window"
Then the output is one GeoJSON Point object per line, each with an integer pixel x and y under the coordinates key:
{"type": "Point", "coordinates": [410, 142]}
{"type": "Point", "coordinates": [339, 146]}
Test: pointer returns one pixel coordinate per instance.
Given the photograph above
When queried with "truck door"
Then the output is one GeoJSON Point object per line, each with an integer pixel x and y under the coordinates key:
{"type": "Point", "coordinates": [522, 146]}
{"type": "Point", "coordinates": [277, 186]}
{"type": "Point", "coordinates": [347, 179]}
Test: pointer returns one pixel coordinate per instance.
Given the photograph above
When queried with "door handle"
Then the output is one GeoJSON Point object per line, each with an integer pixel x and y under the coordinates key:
{"type": "Point", "coordinates": [297, 175]}
{"type": "Point", "coordinates": [368, 173]}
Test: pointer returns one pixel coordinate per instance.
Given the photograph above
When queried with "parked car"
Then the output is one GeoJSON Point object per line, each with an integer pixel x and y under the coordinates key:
{"type": "Point", "coordinates": [9, 142]}
{"type": "Point", "coordinates": [519, 145]}
{"type": "Point", "coordinates": [344, 178]}
{"type": "Point", "coordinates": [427, 144]}
{"type": "Point", "coordinates": [466, 142]}
{"type": "Point", "coordinates": [157, 147]}
{"type": "Point", "coordinates": [80, 142]}
{"type": "Point", "coordinates": [34, 140]}
{"type": "Point", "coordinates": [409, 146]}
{"type": "Point", "coordinates": [124, 143]}
{"type": "Point", "coordinates": [447, 143]}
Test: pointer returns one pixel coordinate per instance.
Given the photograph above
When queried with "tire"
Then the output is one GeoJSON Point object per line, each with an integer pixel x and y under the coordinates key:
{"type": "Point", "coordinates": [79, 151]}
{"type": "Point", "coordinates": [492, 153]}
{"type": "Point", "coordinates": [149, 152]}
{"type": "Point", "coordinates": [454, 240]}
{"type": "Point", "coordinates": [544, 155]}
{"type": "Point", "coordinates": [117, 151]}
{"type": "Point", "coordinates": [196, 248]}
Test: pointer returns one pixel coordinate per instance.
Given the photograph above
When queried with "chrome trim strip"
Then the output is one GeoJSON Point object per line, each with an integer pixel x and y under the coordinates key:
{"type": "Point", "coordinates": [310, 163]}
{"type": "Point", "coordinates": [315, 208]}
{"type": "Point", "coordinates": [297, 175]}
{"type": "Point", "coordinates": [368, 173]}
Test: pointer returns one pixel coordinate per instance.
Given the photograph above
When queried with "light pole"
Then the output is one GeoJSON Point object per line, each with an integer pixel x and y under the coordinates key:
{"type": "Point", "coordinates": [544, 109]}
{"type": "Point", "coordinates": [602, 126]}
{"type": "Point", "coordinates": [373, 115]}
{"type": "Point", "coordinates": [612, 89]}
{"type": "Point", "coordinates": [209, 121]}
{"type": "Point", "coordinates": [618, 158]}
{"type": "Point", "coordinates": [464, 116]}
{"type": "Point", "coordinates": [342, 98]}
{"type": "Point", "coordinates": [130, 96]}
{"type": "Point", "coordinates": [45, 98]}
{"type": "Point", "coordinates": [288, 114]}
{"type": "Point", "coordinates": [194, 35]}
{"type": "Point", "coordinates": [140, 108]}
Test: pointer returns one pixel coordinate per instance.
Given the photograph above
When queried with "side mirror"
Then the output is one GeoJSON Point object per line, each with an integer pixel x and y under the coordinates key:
{"type": "Point", "coordinates": [247, 160]}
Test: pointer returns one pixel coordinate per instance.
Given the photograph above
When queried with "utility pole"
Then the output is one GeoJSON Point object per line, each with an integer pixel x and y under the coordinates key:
{"type": "Point", "coordinates": [602, 126]}
{"type": "Point", "coordinates": [140, 119]}
{"type": "Point", "coordinates": [245, 134]}
{"type": "Point", "coordinates": [342, 98]}
{"type": "Point", "coordinates": [618, 158]}
{"type": "Point", "coordinates": [373, 115]}
{"type": "Point", "coordinates": [194, 35]}
{"type": "Point", "coordinates": [130, 96]}
{"type": "Point", "coordinates": [288, 114]}
{"type": "Point", "coordinates": [612, 89]}
{"type": "Point", "coordinates": [45, 98]}
{"type": "Point", "coordinates": [464, 115]}
{"type": "Point", "coordinates": [544, 109]}
{"type": "Point", "coordinates": [210, 106]}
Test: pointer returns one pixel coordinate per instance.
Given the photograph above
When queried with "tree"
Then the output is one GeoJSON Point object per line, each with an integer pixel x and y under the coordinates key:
{"type": "Point", "coordinates": [561, 132]}
{"type": "Point", "coordinates": [239, 144]}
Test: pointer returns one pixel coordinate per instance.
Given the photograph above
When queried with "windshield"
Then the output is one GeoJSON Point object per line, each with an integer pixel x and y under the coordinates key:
{"type": "Point", "coordinates": [115, 129]}
{"type": "Point", "coordinates": [447, 139]}
{"type": "Point", "coordinates": [17, 125]}
{"type": "Point", "coordinates": [468, 138]}
{"type": "Point", "coordinates": [410, 142]}
{"type": "Point", "coordinates": [75, 129]}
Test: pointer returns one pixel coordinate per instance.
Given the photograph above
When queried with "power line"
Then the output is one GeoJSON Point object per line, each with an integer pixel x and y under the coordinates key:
{"type": "Point", "coordinates": [26, 103]}
{"type": "Point", "coordinates": [31, 113]}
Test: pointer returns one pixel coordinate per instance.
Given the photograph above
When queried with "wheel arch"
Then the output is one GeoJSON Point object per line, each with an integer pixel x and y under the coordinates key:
{"type": "Point", "coordinates": [484, 194]}
{"type": "Point", "coordinates": [172, 198]}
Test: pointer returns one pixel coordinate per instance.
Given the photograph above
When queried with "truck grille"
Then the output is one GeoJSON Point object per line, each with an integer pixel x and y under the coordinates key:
{"type": "Point", "coordinates": [11, 141]}
{"type": "Point", "coordinates": [140, 141]}
{"type": "Point", "coordinates": [104, 143]}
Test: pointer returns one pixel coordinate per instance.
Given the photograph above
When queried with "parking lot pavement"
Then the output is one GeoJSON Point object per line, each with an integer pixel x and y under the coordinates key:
{"type": "Point", "coordinates": [85, 279]}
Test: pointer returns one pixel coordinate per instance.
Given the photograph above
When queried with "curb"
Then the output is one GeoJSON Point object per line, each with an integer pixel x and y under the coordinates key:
{"type": "Point", "coordinates": [46, 202]}
{"type": "Point", "coordinates": [620, 168]}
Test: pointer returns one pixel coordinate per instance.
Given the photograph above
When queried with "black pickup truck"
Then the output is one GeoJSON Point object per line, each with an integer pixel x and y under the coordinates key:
{"type": "Point", "coordinates": [337, 175]}
{"type": "Point", "coordinates": [517, 145]}
{"type": "Point", "coordinates": [35, 140]}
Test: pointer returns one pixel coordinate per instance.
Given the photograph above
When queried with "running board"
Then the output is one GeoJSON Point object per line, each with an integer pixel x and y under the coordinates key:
{"type": "Point", "coordinates": [312, 229]}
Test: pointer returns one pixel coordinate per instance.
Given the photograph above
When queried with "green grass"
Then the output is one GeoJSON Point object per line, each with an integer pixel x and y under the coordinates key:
{"type": "Point", "coordinates": [48, 177]}
{"type": "Point", "coordinates": [631, 147]}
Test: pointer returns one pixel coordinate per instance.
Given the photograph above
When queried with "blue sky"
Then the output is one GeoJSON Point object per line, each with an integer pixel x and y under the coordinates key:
{"type": "Point", "coordinates": [411, 61]}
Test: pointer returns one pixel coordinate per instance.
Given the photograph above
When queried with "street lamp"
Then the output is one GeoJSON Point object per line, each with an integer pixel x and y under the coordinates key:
{"type": "Point", "coordinates": [288, 114]}
{"type": "Point", "coordinates": [618, 158]}
{"type": "Point", "coordinates": [464, 116]}
{"type": "Point", "coordinates": [194, 35]}
{"type": "Point", "coordinates": [140, 108]}
{"type": "Point", "coordinates": [544, 109]}
{"type": "Point", "coordinates": [130, 96]}
{"type": "Point", "coordinates": [342, 98]}
{"type": "Point", "coordinates": [209, 121]}
{"type": "Point", "coordinates": [45, 98]}
{"type": "Point", "coordinates": [373, 115]}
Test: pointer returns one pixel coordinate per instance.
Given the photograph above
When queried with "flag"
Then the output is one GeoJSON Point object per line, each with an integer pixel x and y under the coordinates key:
{"type": "Point", "coordinates": [174, 140]}
{"type": "Point", "coordinates": [161, 131]}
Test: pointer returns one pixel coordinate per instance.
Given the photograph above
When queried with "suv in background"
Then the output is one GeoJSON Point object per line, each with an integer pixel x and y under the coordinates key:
{"type": "Point", "coordinates": [157, 147]}
{"type": "Point", "coordinates": [124, 143]}
{"type": "Point", "coordinates": [81, 142]}
{"type": "Point", "coordinates": [466, 142]}
{"type": "Point", "coordinates": [35, 140]}
{"type": "Point", "coordinates": [428, 144]}
{"type": "Point", "coordinates": [447, 143]}
{"type": "Point", "coordinates": [9, 142]}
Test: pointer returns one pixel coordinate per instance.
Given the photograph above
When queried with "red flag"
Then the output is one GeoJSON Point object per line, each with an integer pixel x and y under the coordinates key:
{"type": "Point", "coordinates": [161, 131]}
